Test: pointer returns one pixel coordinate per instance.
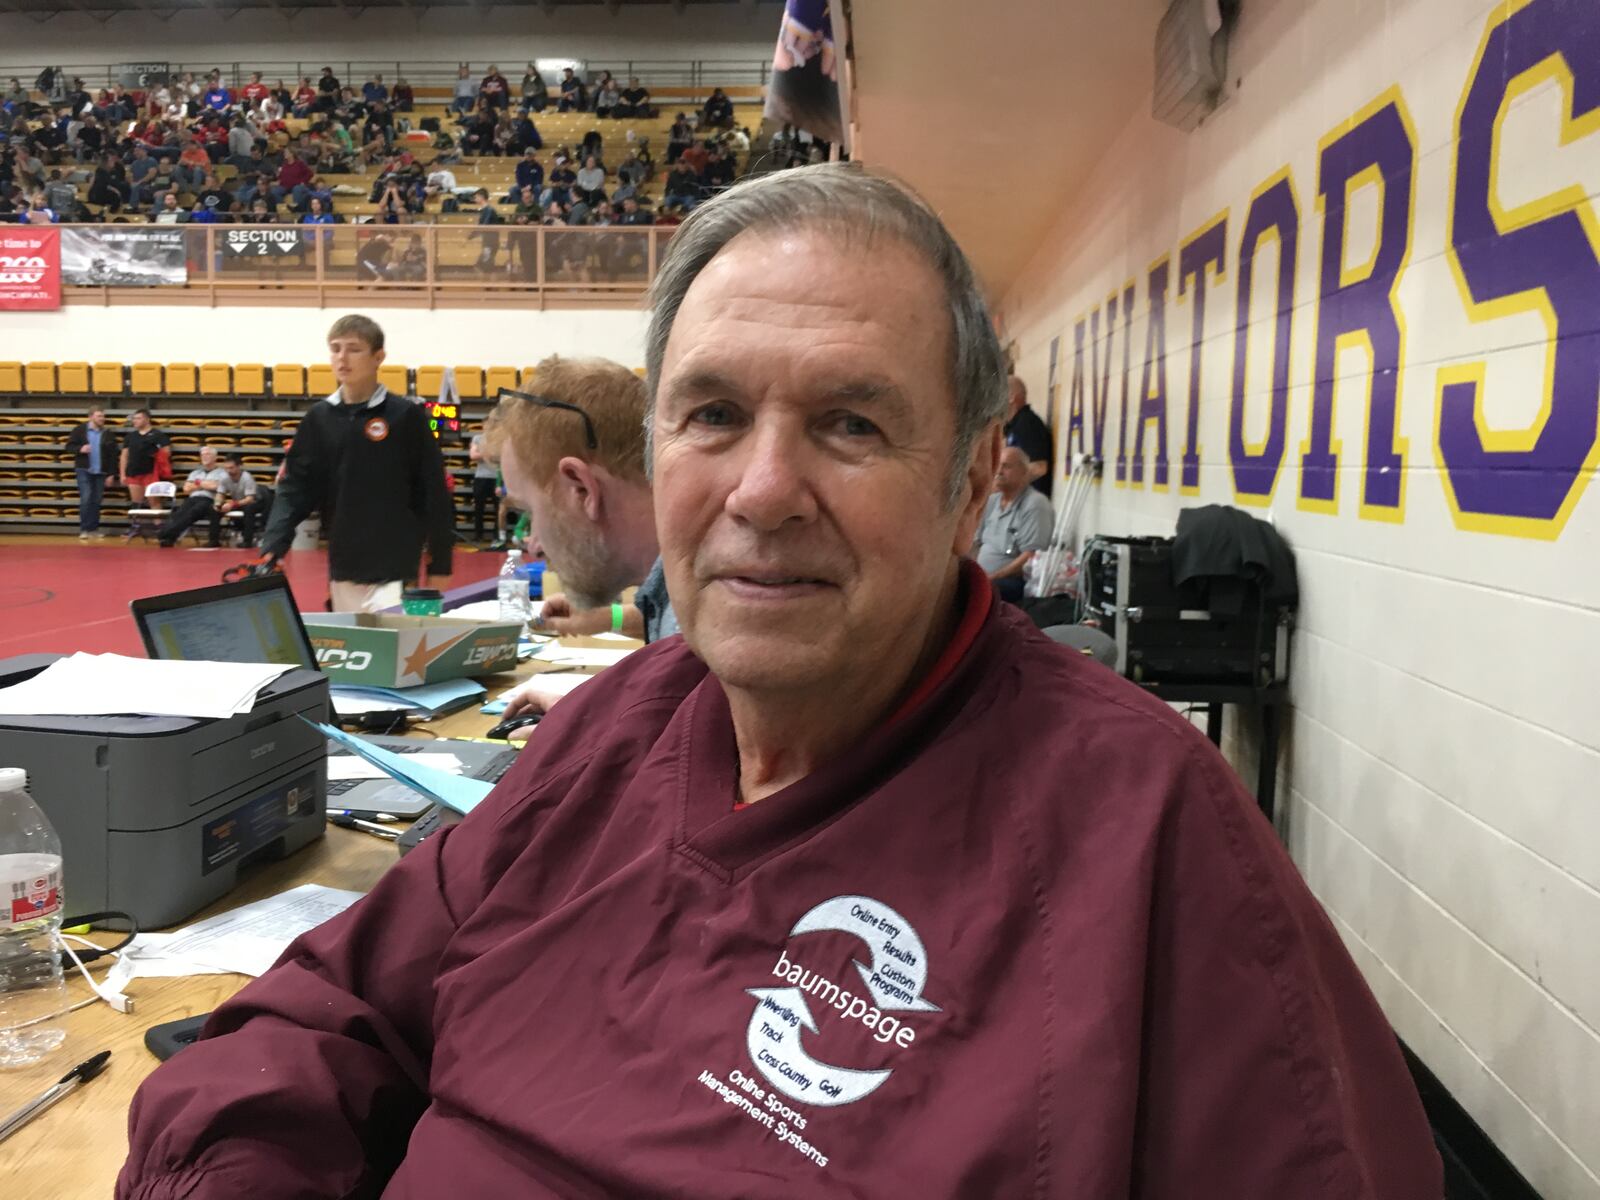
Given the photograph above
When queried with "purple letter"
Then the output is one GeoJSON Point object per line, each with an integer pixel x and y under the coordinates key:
{"type": "Point", "coordinates": [1206, 251]}
{"type": "Point", "coordinates": [1153, 405]}
{"type": "Point", "coordinates": [1122, 416]}
{"type": "Point", "coordinates": [1525, 481]}
{"type": "Point", "coordinates": [1075, 402]}
{"type": "Point", "coordinates": [1273, 213]}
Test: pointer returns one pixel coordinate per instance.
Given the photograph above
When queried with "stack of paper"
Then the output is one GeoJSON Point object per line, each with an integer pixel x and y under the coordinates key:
{"type": "Point", "coordinates": [88, 685]}
{"type": "Point", "coordinates": [245, 940]}
{"type": "Point", "coordinates": [352, 766]}
{"type": "Point", "coordinates": [581, 656]}
{"type": "Point", "coordinates": [557, 682]}
{"type": "Point", "coordinates": [428, 699]}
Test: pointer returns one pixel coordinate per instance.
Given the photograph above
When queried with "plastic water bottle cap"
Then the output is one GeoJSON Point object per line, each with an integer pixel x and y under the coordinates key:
{"type": "Point", "coordinates": [13, 779]}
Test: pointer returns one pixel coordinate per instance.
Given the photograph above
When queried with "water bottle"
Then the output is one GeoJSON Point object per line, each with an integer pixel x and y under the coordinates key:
{"type": "Point", "coordinates": [33, 994]}
{"type": "Point", "coordinates": [512, 591]}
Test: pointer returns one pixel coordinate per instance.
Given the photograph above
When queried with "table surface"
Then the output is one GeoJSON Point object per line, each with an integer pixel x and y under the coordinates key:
{"type": "Point", "coordinates": [76, 1148]}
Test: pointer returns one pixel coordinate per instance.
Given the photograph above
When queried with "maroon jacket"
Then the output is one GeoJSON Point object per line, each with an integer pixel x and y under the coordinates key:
{"type": "Point", "coordinates": [1029, 940]}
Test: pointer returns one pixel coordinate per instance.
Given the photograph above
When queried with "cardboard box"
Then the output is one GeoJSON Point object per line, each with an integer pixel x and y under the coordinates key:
{"type": "Point", "coordinates": [390, 650]}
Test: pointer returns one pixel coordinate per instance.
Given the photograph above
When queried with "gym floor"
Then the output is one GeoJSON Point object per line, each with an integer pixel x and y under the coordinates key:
{"type": "Point", "coordinates": [60, 595]}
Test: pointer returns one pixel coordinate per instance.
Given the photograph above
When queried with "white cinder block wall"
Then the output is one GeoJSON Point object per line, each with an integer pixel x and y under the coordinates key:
{"type": "Point", "coordinates": [1442, 770]}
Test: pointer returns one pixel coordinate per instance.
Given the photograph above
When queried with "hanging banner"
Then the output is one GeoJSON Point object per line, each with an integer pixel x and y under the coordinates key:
{"type": "Point", "coordinates": [260, 242]}
{"type": "Point", "coordinates": [804, 91]}
{"type": "Point", "coordinates": [109, 256]}
{"type": "Point", "coordinates": [30, 267]}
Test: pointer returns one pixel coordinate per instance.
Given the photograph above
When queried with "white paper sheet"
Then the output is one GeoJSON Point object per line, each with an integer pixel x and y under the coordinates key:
{"type": "Point", "coordinates": [581, 656]}
{"type": "Point", "coordinates": [353, 766]}
{"type": "Point", "coordinates": [106, 684]}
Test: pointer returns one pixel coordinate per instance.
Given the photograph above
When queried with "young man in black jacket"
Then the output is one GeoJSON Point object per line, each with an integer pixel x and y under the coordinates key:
{"type": "Point", "coordinates": [365, 460]}
{"type": "Point", "coordinates": [94, 459]}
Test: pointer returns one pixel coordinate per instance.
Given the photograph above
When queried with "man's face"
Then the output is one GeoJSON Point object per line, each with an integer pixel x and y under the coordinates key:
{"type": "Point", "coordinates": [353, 361]}
{"type": "Point", "coordinates": [803, 434]}
{"type": "Point", "coordinates": [141, 421]}
{"type": "Point", "coordinates": [577, 551]}
{"type": "Point", "coordinates": [169, 202]}
{"type": "Point", "coordinates": [208, 457]}
{"type": "Point", "coordinates": [97, 418]}
{"type": "Point", "coordinates": [1012, 476]}
{"type": "Point", "coordinates": [235, 470]}
{"type": "Point", "coordinates": [1018, 394]}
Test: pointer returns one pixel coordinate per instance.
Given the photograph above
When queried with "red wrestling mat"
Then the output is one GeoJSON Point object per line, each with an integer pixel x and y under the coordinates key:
{"type": "Point", "coordinates": [59, 598]}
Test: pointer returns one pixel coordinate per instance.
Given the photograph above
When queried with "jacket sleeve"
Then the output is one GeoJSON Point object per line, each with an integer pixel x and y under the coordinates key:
{"type": "Point", "coordinates": [75, 439]}
{"type": "Point", "coordinates": [312, 1076]}
{"type": "Point", "coordinates": [437, 509]}
{"type": "Point", "coordinates": [297, 494]}
{"type": "Point", "coordinates": [1267, 1067]}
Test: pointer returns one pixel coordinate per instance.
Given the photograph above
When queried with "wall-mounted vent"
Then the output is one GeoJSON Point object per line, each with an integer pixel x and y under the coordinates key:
{"type": "Point", "coordinates": [1191, 60]}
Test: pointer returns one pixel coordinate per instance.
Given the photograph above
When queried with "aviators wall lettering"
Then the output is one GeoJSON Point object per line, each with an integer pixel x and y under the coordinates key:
{"type": "Point", "coordinates": [780, 1068]}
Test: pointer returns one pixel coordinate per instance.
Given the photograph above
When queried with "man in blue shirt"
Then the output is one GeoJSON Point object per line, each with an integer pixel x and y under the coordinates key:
{"type": "Point", "coordinates": [94, 449]}
{"type": "Point", "coordinates": [373, 90]}
{"type": "Point", "coordinates": [217, 97]}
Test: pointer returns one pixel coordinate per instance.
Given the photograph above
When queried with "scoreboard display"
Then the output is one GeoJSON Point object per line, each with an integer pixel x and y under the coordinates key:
{"type": "Point", "coordinates": [444, 418]}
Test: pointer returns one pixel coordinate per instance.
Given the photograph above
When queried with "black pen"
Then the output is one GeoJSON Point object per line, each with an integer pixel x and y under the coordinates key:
{"type": "Point", "coordinates": [346, 821]}
{"type": "Point", "coordinates": [60, 1090]}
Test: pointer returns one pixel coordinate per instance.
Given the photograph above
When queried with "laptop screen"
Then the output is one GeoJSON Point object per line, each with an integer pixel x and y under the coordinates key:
{"type": "Point", "coordinates": [252, 621]}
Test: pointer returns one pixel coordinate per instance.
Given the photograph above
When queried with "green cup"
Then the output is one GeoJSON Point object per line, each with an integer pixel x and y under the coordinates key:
{"type": "Point", "coordinates": [422, 602]}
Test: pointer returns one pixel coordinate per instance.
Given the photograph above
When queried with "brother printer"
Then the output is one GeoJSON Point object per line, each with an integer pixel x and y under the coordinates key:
{"type": "Point", "coordinates": [159, 815]}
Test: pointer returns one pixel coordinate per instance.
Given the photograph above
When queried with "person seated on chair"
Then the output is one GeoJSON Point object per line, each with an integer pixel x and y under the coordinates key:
{"type": "Point", "coordinates": [200, 497]}
{"type": "Point", "coordinates": [238, 493]}
{"type": "Point", "coordinates": [1016, 524]}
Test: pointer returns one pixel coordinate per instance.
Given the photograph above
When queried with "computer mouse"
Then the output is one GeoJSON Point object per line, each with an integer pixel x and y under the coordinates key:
{"type": "Point", "coordinates": [503, 729]}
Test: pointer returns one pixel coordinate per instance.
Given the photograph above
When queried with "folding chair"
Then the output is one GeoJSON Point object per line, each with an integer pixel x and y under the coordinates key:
{"type": "Point", "coordinates": [143, 522]}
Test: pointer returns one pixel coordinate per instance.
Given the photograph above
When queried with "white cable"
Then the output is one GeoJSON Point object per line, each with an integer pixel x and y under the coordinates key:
{"type": "Point", "coordinates": [116, 999]}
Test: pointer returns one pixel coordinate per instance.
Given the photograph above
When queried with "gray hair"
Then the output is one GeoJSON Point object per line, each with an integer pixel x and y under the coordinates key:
{"type": "Point", "coordinates": [859, 204]}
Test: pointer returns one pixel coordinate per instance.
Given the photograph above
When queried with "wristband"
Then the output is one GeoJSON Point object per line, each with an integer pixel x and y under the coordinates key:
{"type": "Point", "coordinates": [616, 618]}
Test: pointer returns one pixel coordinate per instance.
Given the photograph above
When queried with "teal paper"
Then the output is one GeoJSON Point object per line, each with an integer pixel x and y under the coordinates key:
{"type": "Point", "coordinates": [459, 792]}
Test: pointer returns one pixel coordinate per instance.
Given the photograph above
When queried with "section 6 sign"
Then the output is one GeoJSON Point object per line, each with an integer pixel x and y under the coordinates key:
{"type": "Point", "coordinates": [30, 267]}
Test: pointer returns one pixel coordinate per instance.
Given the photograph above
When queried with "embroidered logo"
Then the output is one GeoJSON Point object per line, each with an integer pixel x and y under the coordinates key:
{"type": "Point", "coordinates": [376, 429]}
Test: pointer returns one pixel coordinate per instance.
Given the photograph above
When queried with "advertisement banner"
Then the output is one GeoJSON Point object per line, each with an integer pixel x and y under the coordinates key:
{"type": "Point", "coordinates": [260, 242]}
{"type": "Point", "coordinates": [30, 267]}
{"type": "Point", "coordinates": [138, 256]}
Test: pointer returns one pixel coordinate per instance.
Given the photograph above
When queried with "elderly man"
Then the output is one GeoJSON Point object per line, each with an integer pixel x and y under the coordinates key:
{"type": "Point", "coordinates": [200, 500]}
{"type": "Point", "coordinates": [1016, 524]}
{"type": "Point", "coordinates": [863, 888]}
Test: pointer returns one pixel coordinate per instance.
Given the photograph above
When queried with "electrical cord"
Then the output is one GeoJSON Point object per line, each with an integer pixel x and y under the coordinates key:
{"type": "Point", "coordinates": [98, 952]}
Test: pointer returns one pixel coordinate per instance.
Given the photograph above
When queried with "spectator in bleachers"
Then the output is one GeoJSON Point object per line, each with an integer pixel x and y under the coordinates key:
{"type": "Point", "coordinates": [404, 98]}
{"type": "Point", "coordinates": [373, 258]}
{"type": "Point", "coordinates": [535, 92]}
{"type": "Point", "coordinates": [143, 448]}
{"type": "Point", "coordinates": [478, 133]}
{"type": "Point", "coordinates": [488, 238]}
{"type": "Point", "coordinates": [717, 174]}
{"type": "Point", "coordinates": [607, 96]}
{"type": "Point", "coordinates": [639, 166]}
{"type": "Point", "coordinates": [440, 182]}
{"type": "Point", "coordinates": [261, 213]}
{"type": "Point", "coordinates": [109, 187]}
{"type": "Point", "coordinates": [682, 188]}
{"type": "Point", "coordinates": [205, 212]}
{"type": "Point", "coordinates": [530, 174]}
{"type": "Point", "coordinates": [392, 206]}
{"type": "Point", "coordinates": [142, 171]}
{"type": "Point", "coordinates": [328, 89]}
{"type": "Point", "coordinates": [89, 138]}
{"type": "Point", "coordinates": [305, 98]}
{"type": "Point", "coordinates": [217, 97]}
{"type": "Point", "coordinates": [281, 93]}
{"type": "Point", "coordinates": [528, 204]}
{"type": "Point", "coordinates": [269, 116]}
{"type": "Point", "coordinates": [594, 143]}
{"type": "Point", "coordinates": [35, 211]}
{"type": "Point", "coordinates": [679, 138]}
{"type": "Point", "coordinates": [61, 197]}
{"type": "Point", "coordinates": [717, 112]}
{"type": "Point", "coordinates": [238, 493]}
{"type": "Point", "coordinates": [635, 101]}
{"type": "Point", "coordinates": [241, 141]}
{"type": "Point", "coordinates": [592, 180]}
{"type": "Point", "coordinates": [372, 91]}
{"type": "Point", "coordinates": [465, 98]}
{"type": "Point", "coordinates": [318, 213]}
{"type": "Point", "coordinates": [525, 135]}
{"type": "Point", "coordinates": [625, 190]}
{"type": "Point", "coordinates": [214, 193]}
{"type": "Point", "coordinates": [580, 210]}
{"type": "Point", "coordinates": [293, 180]}
{"type": "Point", "coordinates": [169, 213]}
{"type": "Point", "coordinates": [632, 214]}
{"type": "Point", "coordinates": [94, 464]}
{"type": "Point", "coordinates": [554, 214]}
{"type": "Point", "coordinates": [200, 496]}
{"type": "Point", "coordinates": [255, 91]}
{"type": "Point", "coordinates": [572, 97]}
{"type": "Point", "coordinates": [193, 163]}
{"type": "Point", "coordinates": [16, 94]}
{"type": "Point", "coordinates": [696, 157]}
{"type": "Point", "coordinates": [494, 89]}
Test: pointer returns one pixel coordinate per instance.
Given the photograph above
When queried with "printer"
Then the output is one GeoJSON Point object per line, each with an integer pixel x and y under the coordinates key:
{"type": "Point", "coordinates": [159, 816]}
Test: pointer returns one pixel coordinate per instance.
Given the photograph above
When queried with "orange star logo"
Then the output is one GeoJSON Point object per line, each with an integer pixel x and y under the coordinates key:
{"type": "Point", "coordinates": [419, 659]}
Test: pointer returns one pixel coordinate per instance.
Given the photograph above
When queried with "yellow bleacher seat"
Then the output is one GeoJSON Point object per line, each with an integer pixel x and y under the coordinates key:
{"type": "Point", "coordinates": [250, 379]}
{"type": "Point", "coordinates": [529, 374]}
{"type": "Point", "coordinates": [108, 379]}
{"type": "Point", "coordinates": [395, 377]}
{"type": "Point", "coordinates": [41, 378]}
{"type": "Point", "coordinates": [496, 378]}
{"type": "Point", "coordinates": [147, 379]}
{"type": "Point", "coordinates": [320, 380]}
{"type": "Point", "coordinates": [72, 379]}
{"type": "Point", "coordinates": [429, 380]}
{"type": "Point", "coordinates": [288, 379]}
{"type": "Point", "coordinates": [469, 383]}
{"type": "Point", "coordinates": [10, 377]}
{"type": "Point", "coordinates": [216, 379]}
{"type": "Point", "coordinates": [183, 379]}
{"type": "Point", "coordinates": [639, 371]}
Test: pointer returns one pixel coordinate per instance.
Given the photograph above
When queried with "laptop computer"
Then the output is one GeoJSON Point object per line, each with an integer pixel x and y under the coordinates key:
{"type": "Point", "coordinates": [256, 620]}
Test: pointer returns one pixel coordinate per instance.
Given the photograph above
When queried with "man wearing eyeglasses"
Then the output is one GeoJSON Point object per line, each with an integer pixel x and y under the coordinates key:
{"type": "Point", "coordinates": [861, 888]}
{"type": "Point", "coordinates": [368, 463]}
